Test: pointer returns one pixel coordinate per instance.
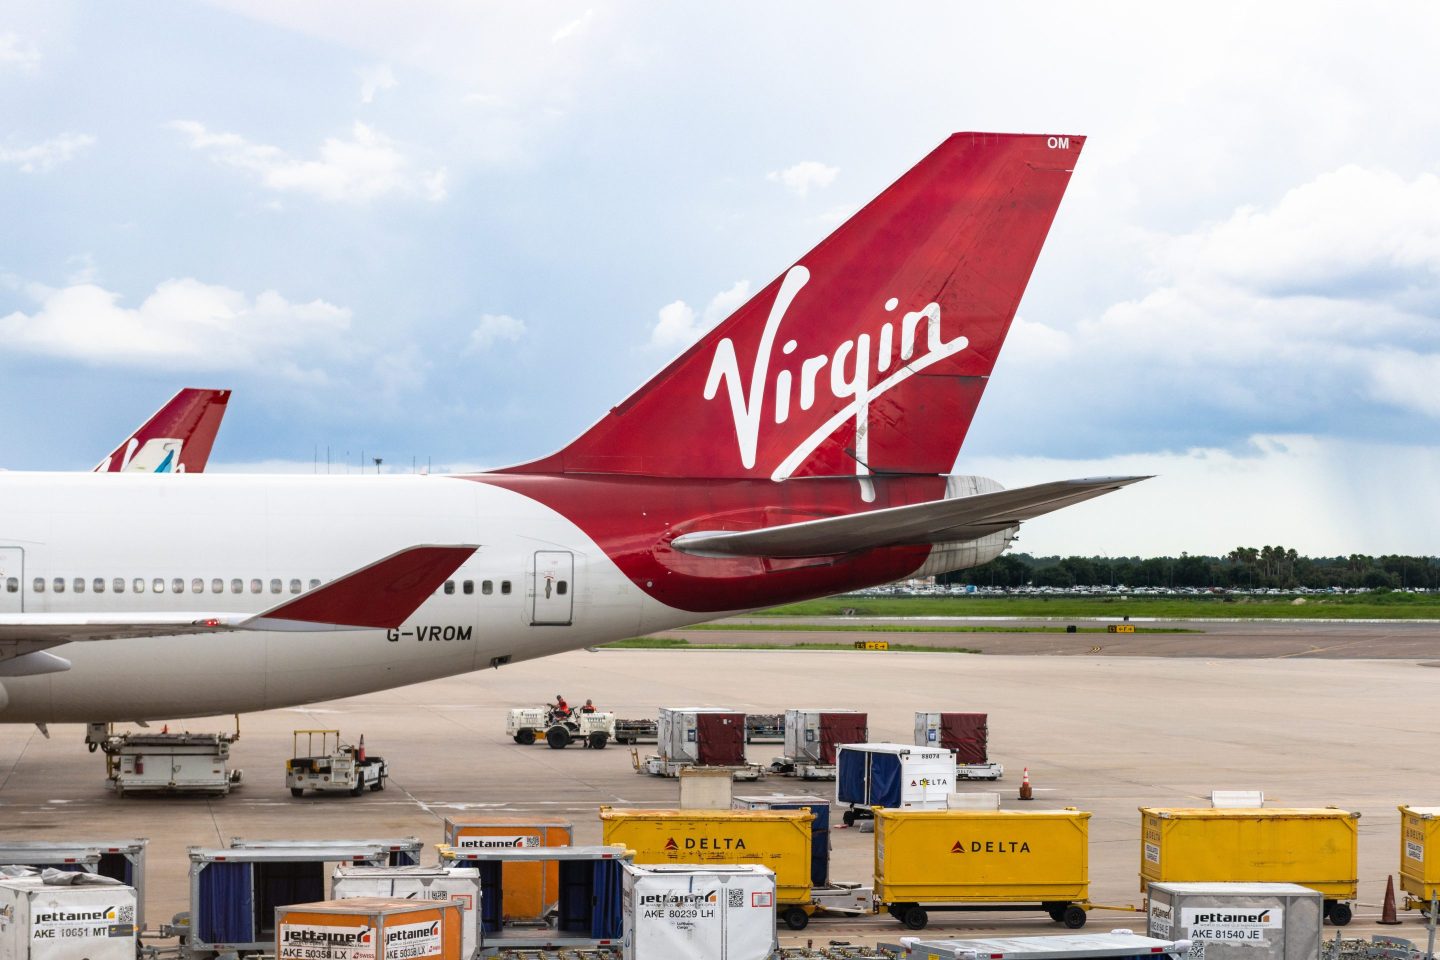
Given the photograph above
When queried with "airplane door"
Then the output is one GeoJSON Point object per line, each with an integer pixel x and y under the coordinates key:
{"type": "Point", "coordinates": [12, 580]}
{"type": "Point", "coordinates": [554, 588]}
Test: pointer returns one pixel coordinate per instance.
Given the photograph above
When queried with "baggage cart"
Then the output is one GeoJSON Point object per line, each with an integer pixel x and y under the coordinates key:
{"type": "Point", "coordinates": [63, 920]}
{"type": "Point", "coordinates": [122, 860]}
{"type": "Point", "coordinates": [968, 735]}
{"type": "Point", "coordinates": [764, 728]}
{"type": "Point", "coordinates": [369, 928]}
{"type": "Point", "coordinates": [589, 910]}
{"type": "Point", "coordinates": [459, 885]}
{"type": "Point", "coordinates": [402, 851]}
{"type": "Point", "coordinates": [1240, 921]}
{"type": "Point", "coordinates": [1420, 856]}
{"type": "Point", "coordinates": [531, 889]}
{"type": "Point", "coordinates": [1314, 847]}
{"type": "Point", "coordinates": [698, 913]}
{"type": "Point", "coordinates": [963, 860]}
{"type": "Point", "coordinates": [811, 737]}
{"type": "Point", "coordinates": [636, 731]}
{"type": "Point", "coordinates": [895, 775]}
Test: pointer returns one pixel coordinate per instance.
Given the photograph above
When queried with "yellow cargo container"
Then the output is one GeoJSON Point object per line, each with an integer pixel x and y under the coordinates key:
{"type": "Point", "coordinates": [374, 928]}
{"type": "Point", "coordinates": [778, 839]}
{"type": "Point", "coordinates": [1314, 847]}
{"type": "Point", "coordinates": [982, 860]}
{"type": "Point", "coordinates": [1420, 852]}
{"type": "Point", "coordinates": [530, 889]}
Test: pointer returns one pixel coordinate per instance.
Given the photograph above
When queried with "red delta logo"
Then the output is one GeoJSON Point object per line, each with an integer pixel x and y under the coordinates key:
{"type": "Point", "coordinates": [671, 844]}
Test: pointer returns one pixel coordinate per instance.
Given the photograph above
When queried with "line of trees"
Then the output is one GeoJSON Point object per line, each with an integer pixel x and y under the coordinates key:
{"type": "Point", "coordinates": [1251, 568]}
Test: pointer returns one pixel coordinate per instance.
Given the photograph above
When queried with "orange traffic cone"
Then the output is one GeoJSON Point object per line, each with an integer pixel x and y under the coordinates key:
{"type": "Point", "coordinates": [360, 752]}
{"type": "Point", "coordinates": [1387, 913]}
{"type": "Point", "coordinates": [1025, 792]}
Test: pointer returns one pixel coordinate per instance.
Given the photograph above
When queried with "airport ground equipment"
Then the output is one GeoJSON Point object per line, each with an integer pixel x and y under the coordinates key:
{"type": "Point", "coordinates": [811, 737]}
{"type": "Point", "coordinates": [122, 860]}
{"type": "Point", "coordinates": [636, 731]}
{"type": "Point", "coordinates": [74, 917]}
{"type": "Point", "coordinates": [897, 775]}
{"type": "Point", "coordinates": [1314, 847]}
{"type": "Point", "coordinates": [530, 888]}
{"type": "Point", "coordinates": [525, 725]}
{"type": "Point", "coordinates": [1240, 921]}
{"type": "Point", "coordinates": [332, 766]}
{"type": "Point", "coordinates": [764, 728]}
{"type": "Point", "coordinates": [356, 928]}
{"type": "Point", "coordinates": [1116, 945]}
{"type": "Point", "coordinates": [1420, 856]}
{"type": "Point", "coordinates": [964, 860]}
{"type": "Point", "coordinates": [817, 807]}
{"type": "Point", "coordinates": [699, 913]}
{"type": "Point", "coordinates": [777, 839]}
{"type": "Point", "coordinates": [401, 851]}
{"type": "Point", "coordinates": [144, 762]}
{"type": "Point", "coordinates": [588, 913]}
{"type": "Point", "coordinates": [700, 737]}
{"type": "Point", "coordinates": [234, 893]}
{"type": "Point", "coordinates": [459, 885]}
{"type": "Point", "coordinates": [968, 735]}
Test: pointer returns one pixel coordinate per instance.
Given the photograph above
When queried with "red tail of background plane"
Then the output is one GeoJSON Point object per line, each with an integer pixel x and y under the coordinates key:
{"type": "Point", "coordinates": [177, 439]}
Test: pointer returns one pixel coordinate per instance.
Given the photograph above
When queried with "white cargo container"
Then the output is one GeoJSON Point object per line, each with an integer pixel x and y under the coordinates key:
{"type": "Point", "coordinates": [456, 884]}
{"type": "Point", "coordinates": [710, 736]}
{"type": "Point", "coordinates": [84, 917]}
{"type": "Point", "coordinates": [893, 775]}
{"type": "Point", "coordinates": [1240, 921]}
{"type": "Point", "coordinates": [699, 913]}
{"type": "Point", "coordinates": [811, 736]}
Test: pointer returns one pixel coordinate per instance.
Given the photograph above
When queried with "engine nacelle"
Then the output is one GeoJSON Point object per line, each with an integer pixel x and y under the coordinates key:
{"type": "Point", "coordinates": [961, 555]}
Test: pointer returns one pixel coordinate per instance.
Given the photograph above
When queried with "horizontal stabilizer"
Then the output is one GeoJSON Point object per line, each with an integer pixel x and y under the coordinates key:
{"type": "Point", "coordinates": [939, 521]}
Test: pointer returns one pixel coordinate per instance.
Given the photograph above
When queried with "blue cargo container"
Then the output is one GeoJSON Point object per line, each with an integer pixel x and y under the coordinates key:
{"type": "Point", "coordinates": [893, 775]}
{"type": "Point", "coordinates": [819, 827]}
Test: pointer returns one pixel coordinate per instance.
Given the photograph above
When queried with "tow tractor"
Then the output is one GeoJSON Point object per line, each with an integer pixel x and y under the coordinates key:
{"type": "Point", "coordinates": [335, 767]}
{"type": "Point", "coordinates": [525, 725]}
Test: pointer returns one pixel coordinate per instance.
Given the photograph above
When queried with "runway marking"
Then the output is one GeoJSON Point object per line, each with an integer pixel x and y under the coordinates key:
{"type": "Point", "coordinates": [1096, 649]}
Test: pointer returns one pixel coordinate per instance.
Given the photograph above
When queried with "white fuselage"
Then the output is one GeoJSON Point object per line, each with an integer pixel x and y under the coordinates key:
{"type": "Point", "coordinates": [209, 531]}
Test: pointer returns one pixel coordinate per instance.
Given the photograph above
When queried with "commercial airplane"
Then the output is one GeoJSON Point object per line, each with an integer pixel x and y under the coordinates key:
{"type": "Point", "coordinates": [798, 450]}
{"type": "Point", "coordinates": [176, 439]}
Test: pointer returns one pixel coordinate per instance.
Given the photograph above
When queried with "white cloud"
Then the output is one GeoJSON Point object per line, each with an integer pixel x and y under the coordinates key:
{"type": "Point", "coordinates": [183, 325]}
{"type": "Point", "coordinates": [365, 167]}
{"type": "Point", "coordinates": [804, 176]}
{"type": "Point", "coordinates": [494, 328]}
{"type": "Point", "coordinates": [574, 27]}
{"type": "Point", "coordinates": [44, 156]}
{"type": "Point", "coordinates": [18, 53]}
{"type": "Point", "coordinates": [376, 79]}
{"type": "Point", "coordinates": [678, 325]}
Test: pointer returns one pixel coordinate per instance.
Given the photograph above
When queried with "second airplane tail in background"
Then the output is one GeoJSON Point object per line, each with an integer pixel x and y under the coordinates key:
{"type": "Point", "coordinates": [177, 439]}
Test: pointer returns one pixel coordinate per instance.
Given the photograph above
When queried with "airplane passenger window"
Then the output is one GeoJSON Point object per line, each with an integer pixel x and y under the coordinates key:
{"type": "Point", "coordinates": [217, 585]}
{"type": "Point", "coordinates": [139, 585]}
{"type": "Point", "coordinates": [469, 587]}
{"type": "Point", "coordinates": [12, 585]}
{"type": "Point", "coordinates": [294, 586]}
{"type": "Point", "coordinates": [59, 584]}
{"type": "Point", "coordinates": [505, 587]}
{"type": "Point", "coordinates": [177, 585]}
{"type": "Point", "coordinates": [119, 585]}
{"type": "Point", "coordinates": [256, 586]}
{"type": "Point", "coordinates": [449, 587]}
{"type": "Point", "coordinates": [274, 586]}
{"type": "Point", "coordinates": [314, 583]}
{"type": "Point", "coordinates": [39, 584]}
{"type": "Point", "coordinates": [237, 585]}
{"type": "Point", "coordinates": [560, 587]}
{"type": "Point", "coordinates": [79, 584]}
{"type": "Point", "coordinates": [487, 587]}
{"type": "Point", "coordinates": [197, 585]}
{"type": "Point", "coordinates": [157, 585]}
{"type": "Point", "coordinates": [98, 586]}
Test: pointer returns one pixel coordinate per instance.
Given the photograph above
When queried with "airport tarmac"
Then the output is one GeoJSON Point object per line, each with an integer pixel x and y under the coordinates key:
{"type": "Point", "coordinates": [1106, 734]}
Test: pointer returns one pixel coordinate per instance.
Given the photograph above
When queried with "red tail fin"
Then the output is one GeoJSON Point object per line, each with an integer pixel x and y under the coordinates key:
{"type": "Point", "coordinates": [177, 439]}
{"type": "Point", "coordinates": [871, 352]}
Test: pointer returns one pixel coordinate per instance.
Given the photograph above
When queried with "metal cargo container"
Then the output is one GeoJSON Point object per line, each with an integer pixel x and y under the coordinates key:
{"type": "Point", "coordinates": [122, 860]}
{"type": "Point", "coordinates": [1315, 848]}
{"type": "Point", "coordinates": [234, 892]}
{"type": "Point", "coordinates": [1075, 946]}
{"type": "Point", "coordinates": [588, 913]}
{"type": "Point", "coordinates": [699, 913]}
{"type": "Point", "coordinates": [1420, 853]}
{"type": "Point", "coordinates": [459, 885]}
{"type": "Point", "coordinates": [778, 839]}
{"type": "Point", "coordinates": [898, 775]}
{"type": "Point", "coordinates": [93, 919]}
{"type": "Point", "coordinates": [819, 808]}
{"type": "Point", "coordinates": [368, 928]}
{"type": "Point", "coordinates": [982, 860]}
{"type": "Point", "coordinates": [965, 733]}
{"type": "Point", "coordinates": [1240, 921]}
{"type": "Point", "coordinates": [811, 736]}
{"type": "Point", "coordinates": [531, 888]}
{"type": "Point", "coordinates": [709, 736]}
{"type": "Point", "coordinates": [404, 851]}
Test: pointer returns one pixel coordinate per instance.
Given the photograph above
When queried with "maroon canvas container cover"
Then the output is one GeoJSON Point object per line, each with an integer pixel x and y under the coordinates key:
{"type": "Point", "coordinates": [838, 728]}
{"type": "Point", "coordinates": [966, 734]}
{"type": "Point", "coordinates": [720, 739]}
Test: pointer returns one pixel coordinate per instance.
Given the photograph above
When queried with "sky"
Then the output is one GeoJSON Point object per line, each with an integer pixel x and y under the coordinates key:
{"type": "Point", "coordinates": [453, 233]}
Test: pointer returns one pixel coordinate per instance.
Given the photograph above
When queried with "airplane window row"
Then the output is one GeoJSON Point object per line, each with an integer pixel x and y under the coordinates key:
{"type": "Point", "coordinates": [161, 585]}
{"type": "Point", "coordinates": [487, 587]}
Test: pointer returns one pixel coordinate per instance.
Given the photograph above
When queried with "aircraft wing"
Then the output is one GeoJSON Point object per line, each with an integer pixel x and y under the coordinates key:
{"type": "Point", "coordinates": [939, 521]}
{"type": "Point", "coordinates": [176, 439]}
{"type": "Point", "coordinates": [379, 596]}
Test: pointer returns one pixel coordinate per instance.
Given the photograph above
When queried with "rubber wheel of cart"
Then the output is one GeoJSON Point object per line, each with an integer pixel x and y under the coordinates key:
{"type": "Point", "coordinates": [358, 789]}
{"type": "Point", "coordinates": [1340, 914]}
{"type": "Point", "coordinates": [1074, 917]}
{"type": "Point", "coordinates": [598, 741]}
{"type": "Point", "coordinates": [1056, 913]}
{"type": "Point", "coordinates": [557, 737]}
{"type": "Point", "coordinates": [849, 818]}
{"type": "Point", "coordinates": [378, 785]}
{"type": "Point", "coordinates": [297, 791]}
{"type": "Point", "coordinates": [796, 918]}
{"type": "Point", "coordinates": [915, 918]}
{"type": "Point", "coordinates": [525, 737]}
